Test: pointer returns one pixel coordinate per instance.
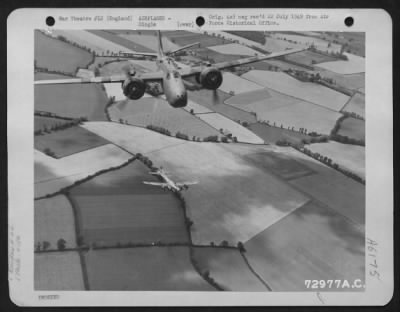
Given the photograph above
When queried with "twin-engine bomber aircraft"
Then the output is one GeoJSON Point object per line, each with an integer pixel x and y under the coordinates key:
{"type": "Point", "coordinates": [169, 74]}
{"type": "Point", "coordinates": [169, 184]}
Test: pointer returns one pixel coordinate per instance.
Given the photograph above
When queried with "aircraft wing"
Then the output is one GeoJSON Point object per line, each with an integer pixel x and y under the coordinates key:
{"type": "Point", "coordinates": [146, 77]}
{"type": "Point", "coordinates": [186, 183]}
{"type": "Point", "coordinates": [156, 183]}
{"type": "Point", "coordinates": [222, 65]}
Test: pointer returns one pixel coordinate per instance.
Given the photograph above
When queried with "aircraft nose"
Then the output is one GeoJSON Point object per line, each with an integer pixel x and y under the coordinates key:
{"type": "Point", "coordinates": [181, 100]}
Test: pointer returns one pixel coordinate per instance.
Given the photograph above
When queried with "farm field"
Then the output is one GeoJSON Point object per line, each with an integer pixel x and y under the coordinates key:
{"type": "Point", "coordinates": [41, 122]}
{"type": "Point", "coordinates": [68, 141]}
{"type": "Point", "coordinates": [307, 41]}
{"type": "Point", "coordinates": [157, 112]}
{"type": "Point", "coordinates": [58, 271]}
{"type": "Point", "coordinates": [356, 105]}
{"type": "Point", "coordinates": [334, 189]}
{"type": "Point", "coordinates": [117, 207]}
{"type": "Point", "coordinates": [150, 41]}
{"type": "Point", "coordinates": [256, 36]}
{"type": "Point", "coordinates": [212, 56]}
{"type": "Point", "coordinates": [305, 245]}
{"type": "Point", "coordinates": [196, 108]}
{"type": "Point", "coordinates": [272, 134]}
{"type": "Point", "coordinates": [352, 128]}
{"type": "Point", "coordinates": [355, 40]}
{"type": "Point", "coordinates": [234, 49]}
{"type": "Point", "coordinates": [350, 81]}
{"type": "Point", "coordinates": [127, 45]}
{"type": "Point", "coordinates": [54, 219]}
{"type": "Point", "coordinates": [215, 101]}
{"type": "Point", "coordinates": [227, 179]}
{"type": "Point", "coordinates": [229, 126]}
{"type": "Point", "coordinates": [233, 84]}
{"type": "Point", "coordinates": [182, 38]}
{"type": "Point", "coordinates": [74, 101]}
{"type": "Point", "coordinates": [148, 268]}
{"type": "Point", "coordinates": [347, 156]}
{"type": "Point", "coordinates": [280, 63]}
{"type": "Point", "coordinates": [298, 114]}
{"type": "Point", "coordinates": [86, 38]}
{"type": "Point", "coordinates": [228, 268]}
{"type": "Point", "coordinates": [309, 58]}
{"type": "Point", "coordinates": [306, 91]}
{"type": "Point", "coordinates": [355, 64]}
{"type": "Point", "coordinates": [51, 174]}
{"type": "Point", "coordinates": [54, 54]}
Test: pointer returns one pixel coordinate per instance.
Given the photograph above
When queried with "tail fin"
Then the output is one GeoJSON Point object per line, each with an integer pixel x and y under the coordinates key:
{"type": "Point", "coordinates": [160, 46]}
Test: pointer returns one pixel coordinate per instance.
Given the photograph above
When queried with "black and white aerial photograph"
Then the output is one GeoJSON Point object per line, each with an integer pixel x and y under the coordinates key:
{"type": "Point", "coordinates": [180, 160]}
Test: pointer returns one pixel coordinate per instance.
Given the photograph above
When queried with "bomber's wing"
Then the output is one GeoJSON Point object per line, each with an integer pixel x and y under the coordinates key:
{"type": "Point", "coordinates": [146, 77]}
{"type": "Point", "coordinates": [156, 183]}
{"type": "Point", "coordinates": [186, 183]}
{"type": "Point", "coordinates": [186, 72]}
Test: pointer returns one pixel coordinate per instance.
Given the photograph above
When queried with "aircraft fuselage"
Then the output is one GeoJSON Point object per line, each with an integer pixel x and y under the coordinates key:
{"type": "Point", "coordinates": [174, 89]}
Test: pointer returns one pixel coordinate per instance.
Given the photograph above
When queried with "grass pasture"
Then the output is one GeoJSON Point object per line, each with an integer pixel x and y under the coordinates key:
{"type": "Point", "coordinates": [306, 91]}
{"type": "Point", "coordinates": [117, 207]}
{"type": "Point", "coordinates": [54, 54]}
{"type": "Point", "coordinates": [272, 134]}
{"type": "Point", "coordinates": [68, 141]}
{"type": "Point", "coordinates": [58, 271]}
{"type": "Point", "coordinates": [356, 104]}
{"type": "Point", "coordinates": [148, 268]}
{"type": "Point", "coordinates": [157, 112]}
{"type": "Point", "coordinates": [54, 219]}
{"type": "Point", "coordinates": [353, 128]}
{"type": "Point", "coordinates": [226, 179]}
{"type": "Point", "coordinates": [347, 156]}
{"type": "Point", "coordinates": [305, 245]}
{"type": "Point", "coordinates": [215, 101]}
{"type": "Point", "coordinates": [228, 268]}
{"type": "Point", "coordinates": [74, 100]}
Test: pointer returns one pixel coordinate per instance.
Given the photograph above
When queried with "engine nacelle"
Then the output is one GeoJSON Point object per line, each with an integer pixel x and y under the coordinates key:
{"type": "Point", "coordinates": [133, 88]}
{"type": "Point", "coordinates": [210, 78]}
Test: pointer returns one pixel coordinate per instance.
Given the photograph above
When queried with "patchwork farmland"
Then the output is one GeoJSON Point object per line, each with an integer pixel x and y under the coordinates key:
{"type": "Point", "coordinates": [262, 217]}
{"type": "Point", "coordinates": [246, 201]}
{"type": "Point", "coordinates": [117, 208]}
